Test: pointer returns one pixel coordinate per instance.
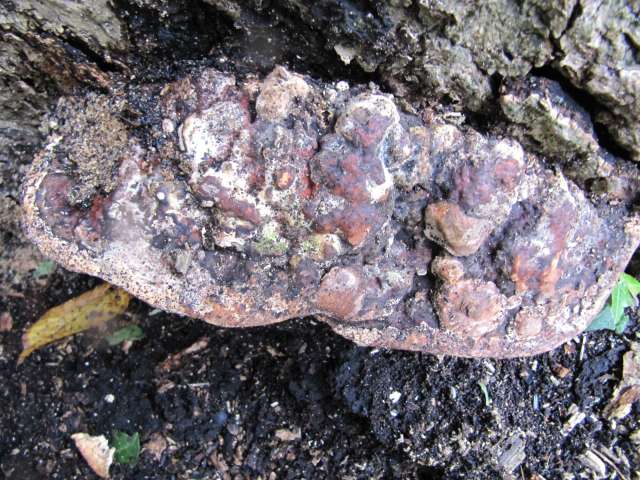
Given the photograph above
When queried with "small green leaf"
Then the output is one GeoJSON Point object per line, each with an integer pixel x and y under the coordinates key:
{"type": "Point", "coordinates": [127, 447]}
{"type": "Point", "coordinates": [129, 333]}
{"type": "Point", "coordinates": [624, 295]}
{"type": "Point", "coordinates": [621, 324]}
{"type": "Point", "coordinates": [603, 321]}
{"type": "Point", "coordinates": [621, 298]}
{"type": "Point", "coordinates": [632, 284]}
{"type": "Point", "coordinates": [44, 269]}
{"type": "Point", "coordinates": [628, 299]}
{"type": "Point", "coordinates": [617, 302]}
{"type": "Point", "coordinates": [485, 392]}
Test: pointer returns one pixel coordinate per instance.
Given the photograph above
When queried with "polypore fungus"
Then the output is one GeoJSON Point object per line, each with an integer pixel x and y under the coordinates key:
{"type": "Point", "coordinates": [247, 202]}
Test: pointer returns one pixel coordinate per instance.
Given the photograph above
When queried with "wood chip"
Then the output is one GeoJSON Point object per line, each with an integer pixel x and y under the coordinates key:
{"type": "Point", "coordinates": [512, 454]}
{"type": "Point", "coordinates": [173, 361]}
{"type": "Point", "coordinates": [621, 405]}
{"type": "Point", "coordinates": [574, 420]}
{"type": "Point", "coordinates": [602, 456]}
{"type": "Point", "coordinates": [96, 451]}
{"type": "Point", "coordinates": [592, 461]}
{"type": "Point", "coordinates": [628, 390]}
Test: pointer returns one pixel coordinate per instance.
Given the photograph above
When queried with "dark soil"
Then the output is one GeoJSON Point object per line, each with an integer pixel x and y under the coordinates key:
{"type": "Point", "coordinates": [234, 408]}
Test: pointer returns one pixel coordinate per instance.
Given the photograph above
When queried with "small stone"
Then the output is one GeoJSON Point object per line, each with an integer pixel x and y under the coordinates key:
{"type": "Point", "coordinates": [322, 246]}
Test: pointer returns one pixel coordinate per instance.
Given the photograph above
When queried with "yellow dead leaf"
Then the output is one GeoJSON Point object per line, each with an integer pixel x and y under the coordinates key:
{"type": "Point", "coordinates": [85, 311]}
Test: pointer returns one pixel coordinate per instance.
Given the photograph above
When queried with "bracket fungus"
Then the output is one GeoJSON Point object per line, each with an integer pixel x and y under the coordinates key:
{"type": "Point", "coordinates": [248, 202]}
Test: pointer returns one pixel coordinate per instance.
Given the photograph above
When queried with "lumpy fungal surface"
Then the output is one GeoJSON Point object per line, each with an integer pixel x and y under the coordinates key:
{"type": "Point", "coordinates": [251, 201]}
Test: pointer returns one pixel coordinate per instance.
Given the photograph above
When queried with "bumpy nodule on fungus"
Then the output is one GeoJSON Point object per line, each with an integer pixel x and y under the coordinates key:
{"type": "Point", "coordinates": [249, 202]}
